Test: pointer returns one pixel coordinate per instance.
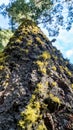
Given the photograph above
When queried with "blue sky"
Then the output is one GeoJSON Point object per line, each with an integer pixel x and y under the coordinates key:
{"type": "Point", "coordinates": [64, 41]}
{"type": "Point", "coordinates": [4, 21]}
{"type": "Point", "coordinates": [4, 1]}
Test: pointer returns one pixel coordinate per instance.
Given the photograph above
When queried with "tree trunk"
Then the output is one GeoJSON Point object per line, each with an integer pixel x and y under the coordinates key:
{"type": "Point", "coordinates": [35, 83]}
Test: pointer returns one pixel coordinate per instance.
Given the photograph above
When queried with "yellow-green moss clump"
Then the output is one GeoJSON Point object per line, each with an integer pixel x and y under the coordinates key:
{"type": "Point", "coordinates": [7, 76]}
{"type": "Point", "coordinates": [61, 68]}
{"type": "Point", "coordinates": [54, 68]}
{"type": "Point", "coordinates": [45, 55]}
{"type": "Point", "coordinates": [40, 63]}
{"type": "Point", "coordinates": [54, 57]}
{"type": "Point", "coordinates": [39, 89]}
{"type": "Point", "coordinates": [26, 51]}
{"type": "Point", "coordinates": [5, 84]}
{"type": "Point", "coordinates": [54, 98]}
{"type": "Point", "coordinates": [2, 57]}
{"type": "Point", "coordinates": [18, 40]}
{"type": "Point", "coordinates": [39, 40]}
{"type": "Point", "coordinates": [35, 29]}
{"type": "Point", "coordinates": [39, 85]}
{"type": "Point", "coordinates": [43, 71]}
{"type": "Point", "coordinates": [41, 127]}
{"type": "Point", "coordinates": [29, 42]}
{"type": "Point", "coordinates": [42, 66]}
{"type": "Point", "coordinates": [67, 71]}
{"type": "Point", "coordinates": [54, 84]}
{"type": "Point", "coordinates": [1, 67]}
{"type": "Point", "coordinates": [72, 86]}
{"type": "Point", "coordinates": [29, 26]}
{"type": "Point", "coordinates": [31, 114]}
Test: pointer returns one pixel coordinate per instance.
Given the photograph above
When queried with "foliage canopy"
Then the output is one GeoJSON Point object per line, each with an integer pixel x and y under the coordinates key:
{"type": "Point", "coordinates": [52, 14]}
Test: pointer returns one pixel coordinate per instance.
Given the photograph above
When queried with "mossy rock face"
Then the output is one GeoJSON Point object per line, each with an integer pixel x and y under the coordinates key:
{"type": "Point", "coordinates": [31, 71]}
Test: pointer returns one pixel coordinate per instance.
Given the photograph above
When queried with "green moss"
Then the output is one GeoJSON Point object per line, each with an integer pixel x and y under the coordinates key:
{"type": "Point", "coordinates": [41, 127]}
{"type": "Point", "coordinates": [26, 51]}
{"type": "Point", "coordinates": [5, 84]}
{"type": "Point", "coordinates": [1, 67]}
{"type": "Point", "coordinates": [21, 124]}
{"type": "Point", "coordinates": [54, 84]}
{"type": "Point", "coordinates": [2, 57]}
{"type": "Point", "coordinates": [39, 40]}
{"type": "Point", "coordinates": [35, 29]}
{"type": "Point", "coordinates": [72, 86]}
{"type": "Point", "coordinates": [54, 57]}
{"type": "Point", "coordinates": [55, 99]}
{"type": "Point", "coordinates": [32, 98]}
{"type": "Point", "coordinates": [18, 40]}
{"type": "Point", "coordinates": [43, 71]}
{"type": "Point", "coordinates": [7, 76]}
{"type": "Point", "coordinates": [45, 55]}
{"type": "Point", "coordinates": [31, 114]}
{"type": "Point", "coordinates": [67, 71]}
{"type": "Point", "coordinates": [61, 69]}
{"type": "Point", "coordinates": [29, 42]}
{"type": "Point", "coordinates": [42, 66]}
{"type": "Point", "coordinates": [39, 85]}
{"type": "Point", "coordinates": [54, 68]}
{"type": "Point", "coordinates": [40, 63]}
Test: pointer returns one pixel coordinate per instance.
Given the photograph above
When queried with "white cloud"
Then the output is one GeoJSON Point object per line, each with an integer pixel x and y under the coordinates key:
{"type": "Point", "coordinates": [4, 1]}
{"type": "Point", "coordinates": [66, 36]}
{"type": "Point", "coordinates": [69, 53]}
{"type": "Point", "coordinates": [64, 42]}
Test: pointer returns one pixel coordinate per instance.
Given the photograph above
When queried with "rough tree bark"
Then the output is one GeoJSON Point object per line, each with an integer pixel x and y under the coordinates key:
{"type": "Point", "coordinates": [35, 84]}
